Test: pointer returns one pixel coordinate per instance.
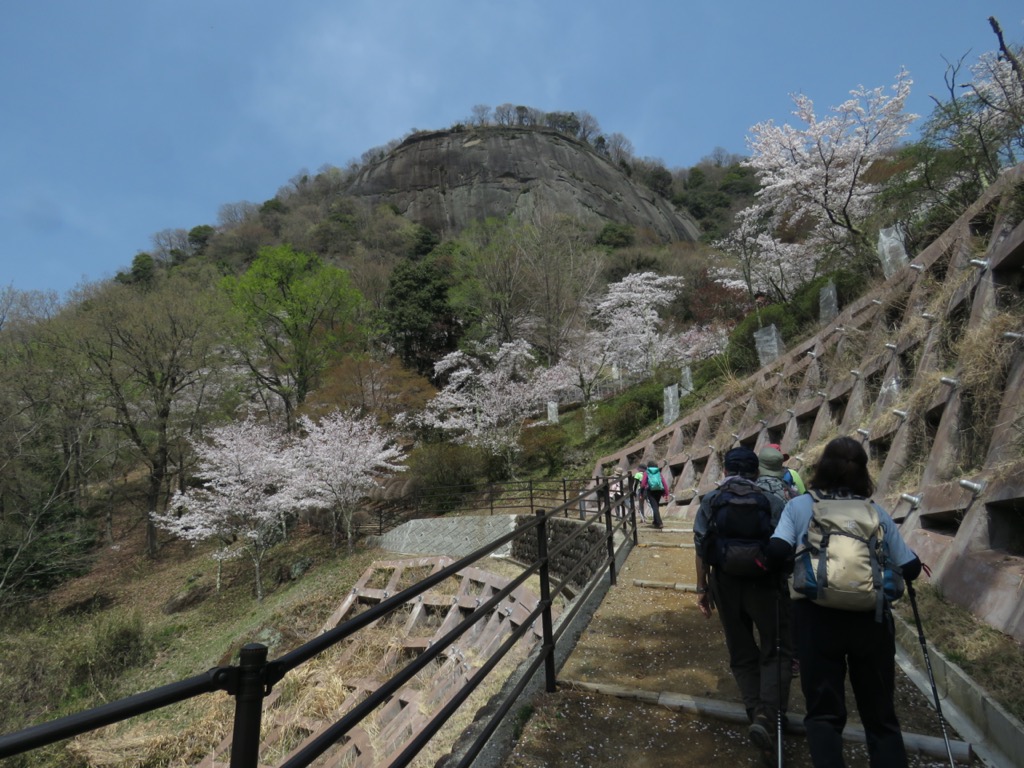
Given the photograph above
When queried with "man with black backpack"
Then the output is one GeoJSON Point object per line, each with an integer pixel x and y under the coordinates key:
{"type": "Point", "coordinates": [731, 531]}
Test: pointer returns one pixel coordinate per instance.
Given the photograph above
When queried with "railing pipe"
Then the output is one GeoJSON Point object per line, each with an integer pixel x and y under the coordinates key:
{"type": "Point", "coordinates": [435, 723]}
{"type": "Point", "coordinates": [310, 649]}
{"type": "Point", "coordinates": [253, 679]}
{"type": "Point", "coordinates": [548, 643]}
{"type": "Point", "coordinates": [331, 735]}
{"type": "Point", "coordinates": [216, 679]}
{"type": "Point", "coordinates": [245, 739]}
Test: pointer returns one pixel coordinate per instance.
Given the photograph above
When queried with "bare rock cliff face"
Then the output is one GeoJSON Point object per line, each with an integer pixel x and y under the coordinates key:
{"type": "Point", "coordinates": [445, 180]}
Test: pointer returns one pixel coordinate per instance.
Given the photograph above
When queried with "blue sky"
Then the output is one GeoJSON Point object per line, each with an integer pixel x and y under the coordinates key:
{"type": "Point", "coordinates": [121, 118]}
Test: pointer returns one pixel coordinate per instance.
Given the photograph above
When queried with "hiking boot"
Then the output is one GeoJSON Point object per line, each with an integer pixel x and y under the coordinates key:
{"type": "Point", "coordinates": [760, 733]}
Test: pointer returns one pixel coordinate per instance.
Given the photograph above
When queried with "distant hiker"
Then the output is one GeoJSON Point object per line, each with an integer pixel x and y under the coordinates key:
{"type": "Point", "coordinates": [790, 476]}
{"type": "Point", "coordinates": [770, 472]}
{"type": "Point", "coordinates": [730, 532]}
{"type": "Point", "coordinates": [616, 491]}
{"type": "Point", "coordinates": [655, 490]}
{"type": "Point", "coordinates": [639, 494]}
{"type": "Point", "coordinates": [845, 624]}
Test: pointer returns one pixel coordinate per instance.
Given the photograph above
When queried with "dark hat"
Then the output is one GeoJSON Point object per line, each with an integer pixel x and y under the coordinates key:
{"type": "Point", "coordinates": [742, 461]}
{"type": "Point", "coordinates": [777, 447]}
{"type": "Point", "coordinates": [770, 462]}
{"type": "Point", "coordinates": [652, 464]}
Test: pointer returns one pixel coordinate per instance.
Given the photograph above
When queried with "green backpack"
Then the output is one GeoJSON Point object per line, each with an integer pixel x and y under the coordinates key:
{"type": "Point", "coordinates": [654, 479]}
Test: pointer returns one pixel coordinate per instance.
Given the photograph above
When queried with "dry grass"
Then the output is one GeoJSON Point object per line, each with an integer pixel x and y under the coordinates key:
{"type": "Point", "coordinates": [317, 692]}
{"type": "Point", "coordinates": [942, 293]}
{"type": "Point", "coordinates": [845, 352]}
{"type": "Point", "coordinates": [182, 737]}
{"type": "Point", "coordinates": [984, 359]}
{"type": "Point", "coordinates": [983, 354]}
{"type": "Point", "coordinates": [994, 660]}
{"type": "Point", "coordinates": [764, 397]}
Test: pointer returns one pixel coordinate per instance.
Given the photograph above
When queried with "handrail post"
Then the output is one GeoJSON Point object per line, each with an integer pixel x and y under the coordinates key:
{"type": "Point", "coordinates": [604, 499]}
{"type": "Point", "coordinates": [565, 491]}
{"type": "Point", "coordinates": [245, 739]}
{"type": "Point", "coordinates": [531, 494]}
{"type": "Point", "coordinates": [545, 601]}
{"type": "Point", "coordinates": [632, 508]}
{"type": "Point", "coordinates": [490, 496]}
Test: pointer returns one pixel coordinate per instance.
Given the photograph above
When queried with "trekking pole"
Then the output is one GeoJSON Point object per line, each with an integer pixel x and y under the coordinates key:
{"type": "Point", "coordinates": [931, 676]}
{"type": "Point", "coordinates": [778, 670]}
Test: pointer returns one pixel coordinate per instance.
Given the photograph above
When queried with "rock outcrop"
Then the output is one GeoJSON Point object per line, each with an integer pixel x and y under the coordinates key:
{"type": "Point", "coordinates": [445, 180]}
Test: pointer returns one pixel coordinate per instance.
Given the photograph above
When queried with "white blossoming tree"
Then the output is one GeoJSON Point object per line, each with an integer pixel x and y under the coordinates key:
{"type": "Point", "coordinates": [763, 263]}
{"type": "Point", "coordinates": [700, 342]}
{"type": "Point", "coordinates": [983, 119]}
{"type": "Point", "coordinates": [249, 489]}
{"type": "Point", "coordinates": [628, 317]}
{"type": "Point", "coordinates": [488, 399]}
{"type": "Point", "coordinates": [815, 187]}
{"type": "Point", "coordinates": [342, 456]}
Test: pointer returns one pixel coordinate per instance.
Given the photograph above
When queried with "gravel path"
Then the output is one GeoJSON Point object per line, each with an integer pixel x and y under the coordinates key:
{"type": "Point", "coordinates": [650, 642]}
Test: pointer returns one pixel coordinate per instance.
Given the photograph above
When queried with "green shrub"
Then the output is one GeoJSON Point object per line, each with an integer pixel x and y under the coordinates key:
{"type": "Point", "coordinates": [793, 319]}
{"type": "Point", "coordinates": [623, 417]}
{"type": "Point", "coordinates": [443, 472]}
{"type": "Point", "coordinates": [544, 447]}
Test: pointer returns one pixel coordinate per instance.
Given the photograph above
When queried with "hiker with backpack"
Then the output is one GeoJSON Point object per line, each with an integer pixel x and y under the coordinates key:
{"type": "Point", "coordinates": [639, 495]}
{"type": "Point", "coordinates": [849, 562]}
{"type": "Point", "coordinates": [731, 531]}
{"type": "Point", "coordinates": [771, 473]}
{"type": "Point", "coordinates": [655, 489]}
{"type": "Point", "coordinates": [789, 475]}
{"type": "Point", "coordinates": [617, 490]}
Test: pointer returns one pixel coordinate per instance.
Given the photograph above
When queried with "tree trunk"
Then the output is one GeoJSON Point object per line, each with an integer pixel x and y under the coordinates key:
{"type": "Point", "coordinates": [152, 502]}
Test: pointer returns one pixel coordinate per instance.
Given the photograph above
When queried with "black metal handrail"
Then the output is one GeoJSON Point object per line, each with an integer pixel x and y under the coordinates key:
{"type": "Point", "coordinates": [254, 677]}
{"type": "Point", "coordinates": [496, 498]}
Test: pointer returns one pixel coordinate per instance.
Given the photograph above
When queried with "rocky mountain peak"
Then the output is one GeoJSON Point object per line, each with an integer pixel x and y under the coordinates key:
{"type": "Point", "coordinates": [447, 179]}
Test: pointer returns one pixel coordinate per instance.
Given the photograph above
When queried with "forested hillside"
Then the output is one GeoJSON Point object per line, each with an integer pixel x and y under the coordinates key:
{"type": "Point", "coordinates": [285, 361]}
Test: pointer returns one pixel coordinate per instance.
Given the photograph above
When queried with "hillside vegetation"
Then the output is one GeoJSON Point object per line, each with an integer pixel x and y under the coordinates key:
{"type": "Point", "coordinates": [317, 305]}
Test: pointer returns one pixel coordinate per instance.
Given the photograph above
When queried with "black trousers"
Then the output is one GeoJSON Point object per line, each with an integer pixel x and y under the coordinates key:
{"type": "Point", "coordinates": [653, 501]}
{"type": "Point", "coordinates": [830, 643]}
{"type": "Point", "coordinates": [747, 610]}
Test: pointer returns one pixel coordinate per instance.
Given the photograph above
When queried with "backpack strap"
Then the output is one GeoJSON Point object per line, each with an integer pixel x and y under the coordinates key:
{"type": "Point", "coordinates": [874, 547]}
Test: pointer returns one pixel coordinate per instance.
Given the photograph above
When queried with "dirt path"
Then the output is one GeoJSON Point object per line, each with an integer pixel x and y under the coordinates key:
{"type": "Point", "coordinates": [655, 640]}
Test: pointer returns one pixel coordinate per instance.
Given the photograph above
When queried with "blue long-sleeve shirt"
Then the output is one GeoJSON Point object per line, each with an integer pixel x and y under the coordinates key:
{"type": "Point", "coordinates": [796, 517]}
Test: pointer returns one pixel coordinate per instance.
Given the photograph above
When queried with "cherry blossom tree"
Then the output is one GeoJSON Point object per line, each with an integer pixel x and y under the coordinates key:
{"type": "Point", "coordinates": [488, 398]}
{"type": "Point", "coordinates": [585, 363]}
{"type": "Point", "coordinates": [703, 341]}
{"type": "Point", "coordinates": [999, 86]}
{"type": "Point", "coordinates": [814, 176]}
{"type": "Point", "coordinates": [343, 456]}
{"type": "Point", "coordinates": [628, 317]}
{"type": "Point", "coordinates": [761, 263]}
{"type": "Point", "coordinates": [250, 487]}
{"type": "Point", "coordinates": [983, 119]}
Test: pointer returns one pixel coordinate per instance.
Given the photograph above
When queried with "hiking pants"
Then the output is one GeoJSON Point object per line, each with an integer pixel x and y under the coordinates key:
{"type": "Point", "coordinates": [654, 501]}
{"type": "Point", "coordinates": [830, 641]}
{"type": "Point", "coordinates": [743, 606]}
